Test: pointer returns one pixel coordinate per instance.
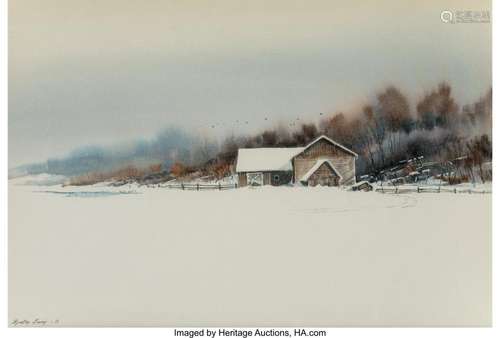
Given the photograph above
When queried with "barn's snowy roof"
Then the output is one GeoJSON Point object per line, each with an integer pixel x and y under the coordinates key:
{"type": "Point", "coordinates": [316, 167]}
{"type": "Point", "coordinates": [266, 159]}
{"type": "Point", "coordinates": [323, 137]}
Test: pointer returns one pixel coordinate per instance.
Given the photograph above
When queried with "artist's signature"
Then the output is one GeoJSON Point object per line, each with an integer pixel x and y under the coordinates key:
{"type": "Point", "coordinates": [33, 322]}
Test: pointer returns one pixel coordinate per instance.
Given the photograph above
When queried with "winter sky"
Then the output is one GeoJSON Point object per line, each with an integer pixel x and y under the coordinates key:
{"type": "Point", "coordinates": [100, 72]}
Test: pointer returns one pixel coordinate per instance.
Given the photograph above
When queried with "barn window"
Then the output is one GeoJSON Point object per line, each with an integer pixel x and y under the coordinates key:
{"type": "Point", "coordinates": [276, 178]}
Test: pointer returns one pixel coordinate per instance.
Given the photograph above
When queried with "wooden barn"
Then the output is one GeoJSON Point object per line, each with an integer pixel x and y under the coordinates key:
{"type": "Point", "coordinates": [321, 162]}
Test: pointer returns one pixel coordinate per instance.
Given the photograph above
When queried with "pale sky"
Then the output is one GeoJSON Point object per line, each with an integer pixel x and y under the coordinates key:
{"type": "Point", "coordinates": [105, 71]}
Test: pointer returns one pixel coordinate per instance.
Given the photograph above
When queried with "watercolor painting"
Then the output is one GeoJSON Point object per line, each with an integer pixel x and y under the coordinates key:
{"type": "Point", "coordinates": [278, 163]}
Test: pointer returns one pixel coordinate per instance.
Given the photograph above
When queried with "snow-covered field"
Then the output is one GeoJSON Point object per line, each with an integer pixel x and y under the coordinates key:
{"type": "Point", "coordinates": [264, 256]}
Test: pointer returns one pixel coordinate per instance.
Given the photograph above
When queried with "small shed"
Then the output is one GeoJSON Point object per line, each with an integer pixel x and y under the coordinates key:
{"type": "Point", "coordinates": [362, 186]}
{"type": "Point", "coordinates": [265, 166]}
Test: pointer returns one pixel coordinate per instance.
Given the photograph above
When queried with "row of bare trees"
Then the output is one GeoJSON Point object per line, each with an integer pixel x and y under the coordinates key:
{"type": "Point", "coordinates": [386, 131]}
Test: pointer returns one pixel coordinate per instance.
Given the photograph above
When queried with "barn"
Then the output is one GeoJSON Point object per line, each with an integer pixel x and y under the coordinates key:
{"type": "Point", "coordinates": [321, 162]}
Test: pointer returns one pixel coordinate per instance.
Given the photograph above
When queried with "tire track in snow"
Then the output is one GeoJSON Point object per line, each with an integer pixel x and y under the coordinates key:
{"type": "Point", "coordinates": [402, 201]}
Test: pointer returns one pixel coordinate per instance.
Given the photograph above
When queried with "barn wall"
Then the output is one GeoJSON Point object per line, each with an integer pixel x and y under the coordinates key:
{"type": "Point", "coordinates": [242, 179]}
{"type": "Point", "coordinates": [341, 160]}
{"type": "Point", "coordinates": [267, 178]}
{"type": "Point", "coordinates": [284, 177]}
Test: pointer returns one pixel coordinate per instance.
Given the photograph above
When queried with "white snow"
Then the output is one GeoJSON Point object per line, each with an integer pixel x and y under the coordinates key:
{"type": "Point", "coordinates": [360, 183]}
{"type": "Point", "coordinates": [272, 256]}
{"type": "Point", "coordinates": [41, 179]}
{"type": "Point", "coordinates": [266, 159]}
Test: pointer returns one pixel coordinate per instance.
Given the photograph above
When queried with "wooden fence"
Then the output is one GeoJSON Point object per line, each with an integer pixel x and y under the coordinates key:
{"type": "Point", "coordinates": [382, 189]}
{"type": "Point", "coordinates": [202, 186]}
{"type": "Point", "coordinates": [424, 189]}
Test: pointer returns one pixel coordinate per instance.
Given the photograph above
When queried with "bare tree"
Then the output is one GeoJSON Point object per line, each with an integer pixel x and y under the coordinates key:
{"type": "Point", "coordinates": [377, 130]}
{"type": "Point", "coordinates": [395, 112]}
{"type": "Point", "coordinates": [438, 108]}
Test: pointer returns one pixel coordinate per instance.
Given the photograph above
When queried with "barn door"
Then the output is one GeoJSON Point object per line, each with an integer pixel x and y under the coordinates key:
{"type": "Point", "coordinates": [255, 179]}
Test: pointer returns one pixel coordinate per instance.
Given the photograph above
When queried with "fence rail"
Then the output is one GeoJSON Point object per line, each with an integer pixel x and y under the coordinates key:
{"type": "Point", "coordinates": [202, 186]}
{"type": "Point", "coordinates": [389, 190]}
{"type": "Point", "coordinates": [424, 189]}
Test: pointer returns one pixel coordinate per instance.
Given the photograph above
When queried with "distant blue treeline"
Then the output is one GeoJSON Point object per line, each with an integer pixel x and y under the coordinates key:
{"type": "Point", "coordinates": [167, 146]}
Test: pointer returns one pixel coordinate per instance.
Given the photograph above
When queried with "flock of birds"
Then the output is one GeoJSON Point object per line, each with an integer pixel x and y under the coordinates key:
{"type": "Point", "coordinates": [245, 122]}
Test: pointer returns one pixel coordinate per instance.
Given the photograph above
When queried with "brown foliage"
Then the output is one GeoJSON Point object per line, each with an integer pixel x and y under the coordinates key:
{"type": "Point", "coordinates": [336, 127]}
{"type": "Point", "coordinates": [394, 107]}
{"type": "Point", "coordinates": [269, 138]}
{"type": "Point", "coordinates": [438, 108]}
{"type": "Point", "coordinates": [126, 173]}
{"type": "Point", "coordinates": [221, 169]}
{"type": "Point", "coordinates": [457, 179]}
{"type": "Point", "coordinates": [178, 169]}
{"type": "Point", "coordinates": [306, 133]}
{"type": "Point", "coordinates": [155, 168]}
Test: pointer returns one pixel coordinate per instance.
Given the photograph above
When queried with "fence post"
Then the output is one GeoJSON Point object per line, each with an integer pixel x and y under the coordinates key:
{"type": "Point", "coordinates": [418, 189]}
{"type": "Point", "coordinates": [197, 186]}
{"type": "Point", "coordinates": [235, 185]}
{"type": "Point", "coordinates": [219, 185]}
{"type": "Point", "coordinates": [396, 190]}
{"type": "Point", "coordinates": [182, 186]}
{"type": "Point", "coordinates": [455, 190]}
